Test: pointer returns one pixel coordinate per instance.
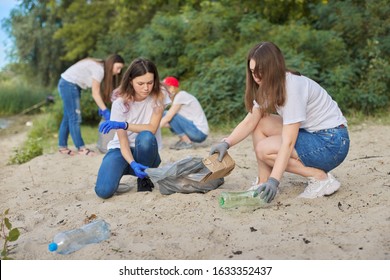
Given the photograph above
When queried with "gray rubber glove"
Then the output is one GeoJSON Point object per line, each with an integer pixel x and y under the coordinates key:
{"type": "Point", "coordinates": [220, 148]}
{"type": "Point", "coordinates": [268, 189]}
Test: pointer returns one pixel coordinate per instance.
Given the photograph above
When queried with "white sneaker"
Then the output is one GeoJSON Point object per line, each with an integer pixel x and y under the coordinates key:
{"type": "Point", "coordinates": [334, 185]}
{"type": "Point", "coordinates": [317, 188]}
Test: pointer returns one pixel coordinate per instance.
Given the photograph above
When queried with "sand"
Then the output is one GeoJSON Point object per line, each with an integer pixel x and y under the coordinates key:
{"type": "Point", "coordinates": [54, 193]}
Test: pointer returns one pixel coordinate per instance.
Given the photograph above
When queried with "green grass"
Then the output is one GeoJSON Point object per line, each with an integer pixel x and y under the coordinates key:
{"type": "Point", "coordinates": [358, 118]}
{"type": "Point", "coordinates": [45, 127]}
{"type": "Point", "coordinates": [18, 96]}
{"type": "Point", "coordinates": [89, 133]}
{"type": "Point", "coordinates": [43, 138]}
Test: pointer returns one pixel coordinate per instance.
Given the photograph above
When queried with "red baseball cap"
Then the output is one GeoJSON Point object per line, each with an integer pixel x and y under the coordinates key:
{"type": "Point", "coordinates": [171, 81]}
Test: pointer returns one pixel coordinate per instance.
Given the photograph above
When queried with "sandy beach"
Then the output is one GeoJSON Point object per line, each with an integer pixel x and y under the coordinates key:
{"type": "Point", "coordinates": [54, 193]}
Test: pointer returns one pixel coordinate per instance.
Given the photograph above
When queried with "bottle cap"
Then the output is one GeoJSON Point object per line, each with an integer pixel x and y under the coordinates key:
{"type": "Point", "coordinates": [221, 201]}
{"type": "Point", "coordinates": [53, 247]}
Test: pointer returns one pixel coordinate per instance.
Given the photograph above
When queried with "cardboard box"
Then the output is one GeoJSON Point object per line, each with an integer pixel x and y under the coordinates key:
{"type": "Point", "coordinates": [218, 169]}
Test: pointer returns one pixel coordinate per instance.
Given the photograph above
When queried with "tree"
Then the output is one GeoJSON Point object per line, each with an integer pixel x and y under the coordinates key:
{"type": "Point", "coordinates": [364, 27]}
{"type": "Point", "coordinates": [82, 24]}
{"type": "Point", "coordinates": [344, 45]}
{"type": "Point", "coordinates": [32, 27]}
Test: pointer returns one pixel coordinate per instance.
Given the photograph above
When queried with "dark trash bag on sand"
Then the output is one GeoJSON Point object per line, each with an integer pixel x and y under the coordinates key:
{"type": "Point", "coordinates": [183, 176]}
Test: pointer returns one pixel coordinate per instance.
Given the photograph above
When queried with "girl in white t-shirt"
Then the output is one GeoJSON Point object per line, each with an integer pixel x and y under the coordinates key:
{"type": "Point", "coordinates": [87, 73]}
{"type": "Point", "coordinates": [308, 137]}
{"type": "Point", "coordinates": [136, 116]}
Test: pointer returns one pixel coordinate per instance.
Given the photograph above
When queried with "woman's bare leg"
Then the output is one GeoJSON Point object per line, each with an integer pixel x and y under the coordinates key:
{"type": "Point", "coordinates": [267, 141]}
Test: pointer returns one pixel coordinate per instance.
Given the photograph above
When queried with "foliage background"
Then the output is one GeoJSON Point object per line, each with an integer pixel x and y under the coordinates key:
{"type": "Point", "coordinates": [343, 45]}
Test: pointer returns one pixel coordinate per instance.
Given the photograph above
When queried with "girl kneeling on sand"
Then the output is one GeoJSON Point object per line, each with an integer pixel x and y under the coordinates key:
{"type": "Point", "coordinates": [136, 114]}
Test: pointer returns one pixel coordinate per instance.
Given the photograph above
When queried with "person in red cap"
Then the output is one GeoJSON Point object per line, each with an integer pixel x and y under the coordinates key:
{"type": "Point", "coordinates": [185, 117]}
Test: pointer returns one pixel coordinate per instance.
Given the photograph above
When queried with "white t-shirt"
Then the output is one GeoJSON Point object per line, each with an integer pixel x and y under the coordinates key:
{"type": "Point", "coordinates": [308, 103]}
{"type": "Point", "coordinates": [83, 72]}
{"type": "Point", "coordinates": [191, 110]}
{"type": "Point", "coordinates": [134, 113]}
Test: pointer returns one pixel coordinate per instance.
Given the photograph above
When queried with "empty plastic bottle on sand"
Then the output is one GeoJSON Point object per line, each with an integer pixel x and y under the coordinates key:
{"type": "Point", "coordinates": [70, 241]}
{"type": "Point", "coordinates": [235, 199]}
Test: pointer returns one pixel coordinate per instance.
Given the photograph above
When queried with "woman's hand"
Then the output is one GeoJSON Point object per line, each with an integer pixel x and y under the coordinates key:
{"type": "Point", "coordinates": [268, 189]}
{"type": "Point", "coordinates": [139, 169]}
{"type": "Point", "coordinates": [106, 126]}
{"type": "Point", "coordinates": [220, 148]}
{"type": "Point", "coordinates": [105, 114]}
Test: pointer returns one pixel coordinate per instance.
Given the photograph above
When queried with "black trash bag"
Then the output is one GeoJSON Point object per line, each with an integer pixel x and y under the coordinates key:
{"type": "Point", "coordinates": [183, 176]}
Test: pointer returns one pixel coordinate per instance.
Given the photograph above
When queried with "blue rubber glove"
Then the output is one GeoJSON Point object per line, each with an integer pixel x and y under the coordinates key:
{"type": "Point", "coordinates": [268, 189]}
{"type": "Point", "coordinates": [220, 148]}
{"type": "Point", "coordinates": [106, 126]}
{"type": "Point", "coordinates": [105, 114]}
{"type": "Point", "coordinates": [139, 169]}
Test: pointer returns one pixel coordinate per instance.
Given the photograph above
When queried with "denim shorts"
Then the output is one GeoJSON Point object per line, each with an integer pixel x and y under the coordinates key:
{"type": "Point", "coordinates": [323, 149]}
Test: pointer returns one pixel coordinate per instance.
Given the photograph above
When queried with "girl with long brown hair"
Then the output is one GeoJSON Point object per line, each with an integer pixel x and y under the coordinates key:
{"type": "Point", "coordinates": [99, 75]}
{"type": "Point", "coordinates": [136, 116]}
{"type": "Point", "coordinates": [295, 126]}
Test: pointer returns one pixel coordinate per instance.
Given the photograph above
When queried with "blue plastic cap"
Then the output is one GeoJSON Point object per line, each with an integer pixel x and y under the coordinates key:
{"type": "Point", "coordinates": [53, 247]}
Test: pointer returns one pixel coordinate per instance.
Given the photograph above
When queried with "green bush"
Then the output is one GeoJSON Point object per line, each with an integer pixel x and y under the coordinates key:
{"type": "Point", "coordinates": [89, 109]}
{"type": "Point", "coordinates": [158, 43]}
{"type": "Point", "coordinates": [222, 97]}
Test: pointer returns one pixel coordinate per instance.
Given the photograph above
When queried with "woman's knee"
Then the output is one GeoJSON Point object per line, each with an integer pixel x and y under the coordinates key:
{"type": "Point", "coordinates": [261, 150]}
{"type": "Point", "coordinates": [199, 138]}
{"type": "Point", "coordinates": [74, 117]}
{"type": "Point", "coordinates": [145, 135]}
{"type": "Point", "coordinates": [104, 191]}
{"type": "Point", "coordinates": [145, 141]}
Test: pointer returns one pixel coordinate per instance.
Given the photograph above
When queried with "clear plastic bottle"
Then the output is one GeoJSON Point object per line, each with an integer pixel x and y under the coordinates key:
{"type": "Point", "coordinates": [235, 199]}
{"type": "Point", "coordinates": [72, 240]}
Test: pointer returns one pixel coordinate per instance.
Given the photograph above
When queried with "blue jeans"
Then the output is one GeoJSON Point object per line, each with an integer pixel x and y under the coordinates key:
{"type": "Point", "coordinates": [324, 149]}
{"type": "Point", "coordinates": [182, 126]}
{"type": "Point", "coordinates": [70, 94]}
{"type": "Point", "coordinates": [114, 165]}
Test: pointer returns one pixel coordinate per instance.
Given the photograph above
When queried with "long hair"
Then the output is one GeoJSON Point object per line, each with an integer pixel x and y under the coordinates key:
{"type": "Point", "coordinates": [271, 68]}
{"type": "Point", "coordinates": [140, 67]}
{"type": "Point", "coordinates": [110, 82]}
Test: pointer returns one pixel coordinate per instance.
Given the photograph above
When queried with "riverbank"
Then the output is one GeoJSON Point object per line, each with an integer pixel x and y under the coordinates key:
{"type": "Point", "coordinates": [54, 193]}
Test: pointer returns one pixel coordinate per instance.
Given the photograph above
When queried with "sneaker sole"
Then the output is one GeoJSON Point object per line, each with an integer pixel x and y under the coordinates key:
{"type": "Point", "coordinates": [183, 148]}
{"type": "Point", "coordinates": [333, 186]}
{"type": "Point", "coordinates": [303, 195]}
{"type": "Point", "coordinates": [123, 188]}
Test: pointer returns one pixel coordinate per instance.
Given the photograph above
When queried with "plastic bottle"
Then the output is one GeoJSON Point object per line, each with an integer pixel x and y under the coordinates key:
{"type": "Point", "coordinates": [70, 241]}
{"type": "Point", "coordinates": [235, 199]}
